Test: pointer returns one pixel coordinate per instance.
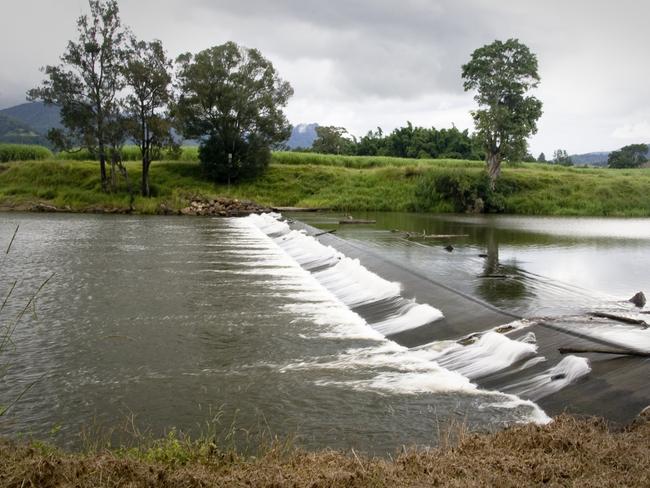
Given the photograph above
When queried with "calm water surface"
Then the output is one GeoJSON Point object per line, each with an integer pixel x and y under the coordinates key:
{"type": "Point", "coordinates": [176, 322]}
{"type": "Point", "coordinates": [553, 266]}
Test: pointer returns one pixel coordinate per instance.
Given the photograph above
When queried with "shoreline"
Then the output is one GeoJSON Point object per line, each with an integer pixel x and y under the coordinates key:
{"type": "Point", "coordinates": [428, 186]}
{"type": "Point", "coordinates": [570, 450]}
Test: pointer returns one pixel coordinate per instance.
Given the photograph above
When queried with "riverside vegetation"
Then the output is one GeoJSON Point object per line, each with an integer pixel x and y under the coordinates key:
{"type": "Point", "coordinates": [345, 183]}
{"type": "Point", "coordinates": [528, 455]}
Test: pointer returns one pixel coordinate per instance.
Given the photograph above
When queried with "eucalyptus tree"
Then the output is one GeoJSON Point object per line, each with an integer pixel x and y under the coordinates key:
{"type": "Point", "coordinates": [502, 73]}
{"type": "Point", "coordinates": [148, 78]}
{"type": "Point", "coordinates": [231, 99]}
{"type": "Point", "coordinates": [86, 84]}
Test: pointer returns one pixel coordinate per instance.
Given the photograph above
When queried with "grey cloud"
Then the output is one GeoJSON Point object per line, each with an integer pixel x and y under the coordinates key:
{"type": "Point", "coordinates": [360, 61]}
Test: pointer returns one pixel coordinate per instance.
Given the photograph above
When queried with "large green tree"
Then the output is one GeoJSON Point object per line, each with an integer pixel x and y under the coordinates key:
{"type": "Point", "coordinates": [148, 76]}
{"type": "Point", "coordinates": [86, 84]}
{"type": "Point", "coordinates": [501, 74]}
{"type": "Point", "coordinates": [631, 156]}
{"type": "Point", "coordinates": [333, 140]}
{"type": "Point", "coordinates": [231, 98]}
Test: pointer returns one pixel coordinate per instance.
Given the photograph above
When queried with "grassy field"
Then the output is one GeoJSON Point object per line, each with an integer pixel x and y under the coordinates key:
{"type": "Point", "coordinates": [567, 452]}
{"type": "Point", "coordinates": [341, 183]}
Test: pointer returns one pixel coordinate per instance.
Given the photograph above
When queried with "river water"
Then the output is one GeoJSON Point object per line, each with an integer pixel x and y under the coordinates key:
{"type": "Point", "coordinates": [201, 324]}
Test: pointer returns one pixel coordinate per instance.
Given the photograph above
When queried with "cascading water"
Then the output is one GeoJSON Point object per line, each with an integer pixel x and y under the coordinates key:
{"type": "Point", "coordinates": [380, 303]}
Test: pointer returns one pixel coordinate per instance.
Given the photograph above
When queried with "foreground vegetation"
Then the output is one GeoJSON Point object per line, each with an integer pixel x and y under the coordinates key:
{"type": "Point", "coordinates": [341, 183]}
{"type": "Point", "coordinates": [567, 452]}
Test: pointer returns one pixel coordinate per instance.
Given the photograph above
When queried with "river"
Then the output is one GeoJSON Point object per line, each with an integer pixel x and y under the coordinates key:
{"type": "Point", "coordinates": [208, 325]}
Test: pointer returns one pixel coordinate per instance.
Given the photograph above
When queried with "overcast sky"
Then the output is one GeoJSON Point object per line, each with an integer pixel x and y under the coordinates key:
{"type": "Point", "coordinates": [368, 63]}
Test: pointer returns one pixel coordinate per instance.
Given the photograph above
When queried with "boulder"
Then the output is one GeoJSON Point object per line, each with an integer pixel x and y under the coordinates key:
{"type": "Point", "coordinates": [638, 300]}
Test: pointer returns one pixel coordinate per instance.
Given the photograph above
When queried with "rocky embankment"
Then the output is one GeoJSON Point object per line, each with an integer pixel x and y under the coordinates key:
{"type": "Point", "coordinates": [223, 207]}
{"type": "Point", "coordinates": [215, 207]}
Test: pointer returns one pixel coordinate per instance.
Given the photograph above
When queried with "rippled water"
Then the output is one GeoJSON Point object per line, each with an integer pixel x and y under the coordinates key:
{"type": "Point", "coordinates": [173, 319]}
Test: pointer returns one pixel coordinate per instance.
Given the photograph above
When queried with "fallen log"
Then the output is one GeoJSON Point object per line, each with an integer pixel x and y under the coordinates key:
{"type": "Point", "coordinates": [625, 352]}
{"type": "Point", "coordinates": [434, 236]}
{"type": "Point", "coordinates": [299, 209]}
{"type": "Point", "coordinates": [357, 221]}
{"type": "Point", "coordinates": [332, 231]}
{"type": "Point", "coordinates": [619, 318]}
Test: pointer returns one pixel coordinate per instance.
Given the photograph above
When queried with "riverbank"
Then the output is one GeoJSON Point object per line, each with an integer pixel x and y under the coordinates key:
{"type": "Point", "coordinates": [339, 183]}
{"type": "Point", "coordinates": [569, 451]}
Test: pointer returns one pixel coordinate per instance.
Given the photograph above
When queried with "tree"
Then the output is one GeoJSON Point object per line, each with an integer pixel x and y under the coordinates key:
{"type": "Point", "coordinates": [560, 156]}
{"type": "Point", "coordinates": [147, 73]}
{"type": "Point", "coordinates": [631, 156]}
{"type": "Point", "coordinates": [86, 84]}
{"type": "Point", "coordinates": [502, 73]}
{"type": "Point", "coordinates": [232, 99]}
{"type": "Point", "coordinates": [333, 140]}
{"type": "Point", "coordinates": [541, 158]}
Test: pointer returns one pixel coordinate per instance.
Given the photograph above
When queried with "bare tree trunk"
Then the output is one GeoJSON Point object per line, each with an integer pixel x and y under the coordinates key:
{"type": "Point", "coordinates": [125, 174]}
{"type": "Point", "coordinates": [493, 162]}
{"type": "Point", "coordinates": [113, 175]}
{"type": "Point", "coordinates": [102, 168]}
{"type": "Point", "coordinates": [146, 191]}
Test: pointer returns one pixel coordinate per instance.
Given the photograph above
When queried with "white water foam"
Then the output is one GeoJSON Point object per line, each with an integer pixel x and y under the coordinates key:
{"type": "Point", "coordinates": [491, 353]}
{"type": "Point", "coordinates": [347, 279]}
{"type": "Point", "coordinates": [384, 367]}
{"type": "Point", "coordinates": [570, 369]}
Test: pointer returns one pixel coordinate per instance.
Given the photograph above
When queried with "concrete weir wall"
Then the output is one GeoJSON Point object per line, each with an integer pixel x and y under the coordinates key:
{"type": "Point", "coordinates": [462, 314]}
{"type": "Point", "coordinates": [496, 350]}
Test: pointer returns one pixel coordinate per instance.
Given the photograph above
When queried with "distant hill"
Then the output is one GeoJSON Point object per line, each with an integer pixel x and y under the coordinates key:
{"type": "Point", "coordinates": [591, 159]}
{"type": "Point", "coordinates": [302, 136]}
{"type": "Point", "coordinates": [13, 131]}
{"type": "Point", "coordinates": [40, 117]}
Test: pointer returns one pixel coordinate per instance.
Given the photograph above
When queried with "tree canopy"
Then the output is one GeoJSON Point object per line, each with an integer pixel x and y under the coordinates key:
{"type": "Point", "coordinates": [560, 156]}
{"type": "Point", "coordinates": [501, 74]}
{"type": "Point", "coordinates": [148, 76]}
{"type": "Point", "coordinates": [408, 141]}
{"type": "Point", "coordinates": [232, 100]}
{"type": "Point", "coordinates": [631, 156]}
{"type": "Point", "coordinates": [86, 84]}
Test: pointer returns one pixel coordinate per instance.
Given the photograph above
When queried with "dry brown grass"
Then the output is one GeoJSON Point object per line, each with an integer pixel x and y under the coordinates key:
{"type": "Point", "coordinates": [569, 452]}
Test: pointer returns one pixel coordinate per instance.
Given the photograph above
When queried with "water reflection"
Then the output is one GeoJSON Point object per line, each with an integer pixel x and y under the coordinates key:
{"type": "Point", "coordinates": [555, 265]}
{"type": "Point", "coordinates": [500, 283]}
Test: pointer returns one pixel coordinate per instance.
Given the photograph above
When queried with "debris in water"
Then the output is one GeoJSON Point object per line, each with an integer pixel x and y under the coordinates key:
{"type": "Point", "coordinates": [638, 300]}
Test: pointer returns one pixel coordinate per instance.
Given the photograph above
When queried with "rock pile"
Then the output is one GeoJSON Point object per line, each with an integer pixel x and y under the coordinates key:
{"type": "Point", "coordinates": [223, 207]}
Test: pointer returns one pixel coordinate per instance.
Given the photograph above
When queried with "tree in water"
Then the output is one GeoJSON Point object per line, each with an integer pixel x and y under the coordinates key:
{"type": "Point", "coordinates": [86, 84]}
{"type": "Point", "coordinates": [502, 73]}
{"type": "Point", "coordinates": [232, 100]}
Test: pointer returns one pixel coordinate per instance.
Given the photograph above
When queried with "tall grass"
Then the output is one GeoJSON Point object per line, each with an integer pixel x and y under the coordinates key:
{"type": "Point", "coordinates": [23, 152]}
{"type": "Point", "coordinates": [132, 153]}
{"type": "Point", "coordinates": [8, 324]}
{"type": "Point", "coordinates": [362, 162]}
{"type": "Point", "coordinates": [532, 189]}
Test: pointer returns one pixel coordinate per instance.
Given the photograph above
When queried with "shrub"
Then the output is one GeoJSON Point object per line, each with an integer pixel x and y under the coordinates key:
{"type": "Point", "coordinates": [465, 191]}
{"type": "Point", "coordinates": [23, 152]}
{"type": "Point", "coordinates": [247, 159]}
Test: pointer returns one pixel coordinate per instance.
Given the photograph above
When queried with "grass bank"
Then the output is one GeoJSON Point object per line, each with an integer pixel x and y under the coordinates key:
{"type": "Point", "coordinates": [343, 183]}
{"type": "Point", "coordinates": [568, 452]}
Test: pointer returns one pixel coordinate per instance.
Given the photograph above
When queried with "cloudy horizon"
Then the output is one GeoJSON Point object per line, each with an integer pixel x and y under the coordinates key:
{"type": "Point", "coordinates": [362, 64]}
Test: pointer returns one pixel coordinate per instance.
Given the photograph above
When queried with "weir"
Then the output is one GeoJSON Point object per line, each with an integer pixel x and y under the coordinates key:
{"type": "Point", "coordinates": [494, 349]}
